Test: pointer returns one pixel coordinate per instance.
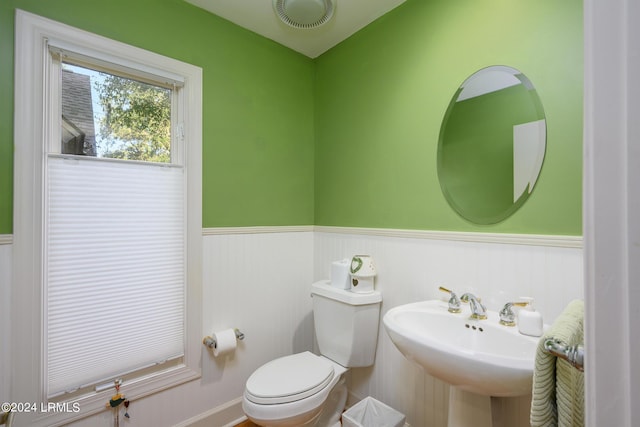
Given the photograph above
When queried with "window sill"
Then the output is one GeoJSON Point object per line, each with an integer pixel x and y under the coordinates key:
{"type": "Point", "coordinates": [65, 411]}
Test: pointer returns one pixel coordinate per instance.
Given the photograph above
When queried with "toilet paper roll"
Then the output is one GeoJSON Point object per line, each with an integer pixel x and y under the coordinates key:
{"type": "Point", "coordinates": [340, 274]}
{"type": "Point", "coordinates": [225, 342]}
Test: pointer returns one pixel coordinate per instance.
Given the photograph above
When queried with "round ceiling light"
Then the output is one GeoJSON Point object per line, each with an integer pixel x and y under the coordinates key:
{"type": "Point", "coordinates": [304, 14]}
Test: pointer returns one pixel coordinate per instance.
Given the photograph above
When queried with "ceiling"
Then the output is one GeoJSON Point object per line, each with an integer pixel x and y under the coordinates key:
{"type": "Point", "coordinates": [259, 17]}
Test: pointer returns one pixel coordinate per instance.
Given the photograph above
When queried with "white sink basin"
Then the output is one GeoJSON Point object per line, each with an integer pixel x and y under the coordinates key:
{"type": "Point", "coordinates": [479, 356]}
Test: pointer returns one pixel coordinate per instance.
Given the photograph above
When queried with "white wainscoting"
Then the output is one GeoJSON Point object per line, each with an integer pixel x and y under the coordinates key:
{"type": "Point", "coordinates": [259, 281]}
{"type": "Point", "coordinates": [411, 269]}
{"type": "Point", "coordinates": [5, 317]}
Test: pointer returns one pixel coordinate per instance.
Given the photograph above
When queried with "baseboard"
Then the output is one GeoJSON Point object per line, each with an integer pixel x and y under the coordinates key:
{"type": "Point", "coordinates": [226, 415]}
{"type": "Point", "coordinates": [230, 414]}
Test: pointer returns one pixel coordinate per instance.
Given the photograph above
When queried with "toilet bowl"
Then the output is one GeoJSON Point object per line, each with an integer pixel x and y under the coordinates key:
{"type": "Point", "coordinates": [304, 389]}
{"type": "Point", "coordinates": [294, 391]}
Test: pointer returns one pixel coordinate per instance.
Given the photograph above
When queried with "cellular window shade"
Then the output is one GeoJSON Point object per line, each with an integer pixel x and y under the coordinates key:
{"type": "Point", "coordinates": [115, 277]}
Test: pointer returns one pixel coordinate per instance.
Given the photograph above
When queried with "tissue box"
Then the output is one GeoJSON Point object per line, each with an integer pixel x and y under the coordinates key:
{"type": "Point", "coordinates": [340, 274]}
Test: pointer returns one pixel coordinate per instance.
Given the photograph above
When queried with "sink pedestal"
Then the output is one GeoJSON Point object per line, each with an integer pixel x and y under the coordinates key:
{"type": "Point", "coordinates": [468, 409]}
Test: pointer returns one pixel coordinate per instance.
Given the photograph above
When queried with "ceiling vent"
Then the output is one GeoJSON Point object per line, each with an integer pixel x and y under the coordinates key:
{"type": "Point", "coordinates": [304, 14]}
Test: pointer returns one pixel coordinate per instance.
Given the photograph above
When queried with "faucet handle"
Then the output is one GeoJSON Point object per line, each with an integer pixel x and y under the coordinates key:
{"type": "Point", "coordinates": [507, 316]}
{"type": "Point", "coordinates": [454, 301]}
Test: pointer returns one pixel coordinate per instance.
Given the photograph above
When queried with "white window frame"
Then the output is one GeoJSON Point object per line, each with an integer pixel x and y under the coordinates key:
{"type": "Point", "coordinates": [31, 125]}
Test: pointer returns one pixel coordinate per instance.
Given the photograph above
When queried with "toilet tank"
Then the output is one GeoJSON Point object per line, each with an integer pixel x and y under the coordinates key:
{"type": "Point", "coordinates": [346, 324]}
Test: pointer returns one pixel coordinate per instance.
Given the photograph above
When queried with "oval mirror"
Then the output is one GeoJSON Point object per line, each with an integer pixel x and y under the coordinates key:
{"type": "Point", "coordinates": [492, 144]}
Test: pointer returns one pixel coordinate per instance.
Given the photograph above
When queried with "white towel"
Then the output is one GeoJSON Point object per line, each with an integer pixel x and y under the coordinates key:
{"type": "Point", "coordinates": [558, 387]}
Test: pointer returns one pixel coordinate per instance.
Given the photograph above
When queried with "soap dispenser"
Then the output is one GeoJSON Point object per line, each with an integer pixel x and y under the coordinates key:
{"type": "Point", "coordinates": [529, 320]}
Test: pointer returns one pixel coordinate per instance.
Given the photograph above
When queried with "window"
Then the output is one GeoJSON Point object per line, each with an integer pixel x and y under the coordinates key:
{"type": "Point", "coordinates": [110, 244]}
{"type": "Point", "coordinates": [115, 116]}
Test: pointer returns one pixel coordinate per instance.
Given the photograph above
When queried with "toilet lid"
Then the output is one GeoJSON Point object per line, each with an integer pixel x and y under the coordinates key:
{"type": "Point", "coordinates": [289, 378]}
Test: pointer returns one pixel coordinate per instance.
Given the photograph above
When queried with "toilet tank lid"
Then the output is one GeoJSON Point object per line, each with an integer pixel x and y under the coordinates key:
{"type": "Point", "coordinates": [324, 288]}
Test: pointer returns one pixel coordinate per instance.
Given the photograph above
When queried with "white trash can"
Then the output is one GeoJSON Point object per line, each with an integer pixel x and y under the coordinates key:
{"type": "Point", "coordinates": [370, 412]}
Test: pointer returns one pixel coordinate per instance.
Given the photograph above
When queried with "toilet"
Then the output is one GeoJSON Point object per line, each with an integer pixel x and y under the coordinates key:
{"type": "Point", "coordinates": [305, 389]}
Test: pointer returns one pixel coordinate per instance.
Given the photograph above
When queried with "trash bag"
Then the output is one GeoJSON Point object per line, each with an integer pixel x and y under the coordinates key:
{"type": "Point", "coordinates": [370, 412]}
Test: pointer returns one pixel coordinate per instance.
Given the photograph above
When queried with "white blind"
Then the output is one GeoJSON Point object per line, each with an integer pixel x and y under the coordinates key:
{"type": "Point", "coordinates": [115, 278]}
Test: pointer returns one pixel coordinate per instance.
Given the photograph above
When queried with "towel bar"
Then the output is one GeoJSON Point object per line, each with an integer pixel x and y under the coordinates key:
{"type": "Point", "coordinates": [573, 354]}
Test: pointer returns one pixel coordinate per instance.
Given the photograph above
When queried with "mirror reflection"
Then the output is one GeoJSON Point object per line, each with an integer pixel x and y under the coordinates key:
{"type": "Point", "coordinates": [492, 144]}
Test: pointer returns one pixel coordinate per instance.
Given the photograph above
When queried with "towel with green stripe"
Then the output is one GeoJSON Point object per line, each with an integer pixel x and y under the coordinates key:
{"type": "Point", "coordinates": [558, 388]}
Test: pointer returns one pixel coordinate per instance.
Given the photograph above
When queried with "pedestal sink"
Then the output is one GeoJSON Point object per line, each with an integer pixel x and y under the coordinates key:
{"type": "Point", "coordinates": [478, 358]}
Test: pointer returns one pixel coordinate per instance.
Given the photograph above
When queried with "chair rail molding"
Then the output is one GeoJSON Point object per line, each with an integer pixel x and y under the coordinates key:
{"type": "Point", "coordinates": [503, 238]}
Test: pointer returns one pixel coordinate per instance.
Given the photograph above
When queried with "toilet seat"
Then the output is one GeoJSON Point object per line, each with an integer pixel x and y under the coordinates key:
{"type": "Point", "coordinates": [289, 379]}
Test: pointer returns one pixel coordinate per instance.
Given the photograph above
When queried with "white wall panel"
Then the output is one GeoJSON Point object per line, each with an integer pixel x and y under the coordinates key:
{"type": "Point", "coordinates": [411, 269]}
{"type": "Point", "coordinates": [259, 282]}
{"type": "Point", "coordinates": [5, 321]}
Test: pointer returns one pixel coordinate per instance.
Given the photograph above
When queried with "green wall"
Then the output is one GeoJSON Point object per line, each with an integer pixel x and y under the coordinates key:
{"type": "Point", "coordinates": [6, 119]}
{"type": "Point", "coordinates": [350, 138]}
{"type": "Point", "coordinates": [258, 104]}
{"type": "Point", "coordinates": [381, 96]}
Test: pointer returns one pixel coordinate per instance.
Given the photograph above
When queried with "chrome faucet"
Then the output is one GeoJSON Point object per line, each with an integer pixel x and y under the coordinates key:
{"type": "Point", "coordinates": [478, 311]}
{"type": "Point", "coordinates": [454, 301]}
{"type": "Point", "coordinates": [507, 316]}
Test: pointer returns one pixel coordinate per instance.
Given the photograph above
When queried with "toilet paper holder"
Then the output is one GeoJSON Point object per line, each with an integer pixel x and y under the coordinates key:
{"type": "Point", "coordinates": [210, 342]}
